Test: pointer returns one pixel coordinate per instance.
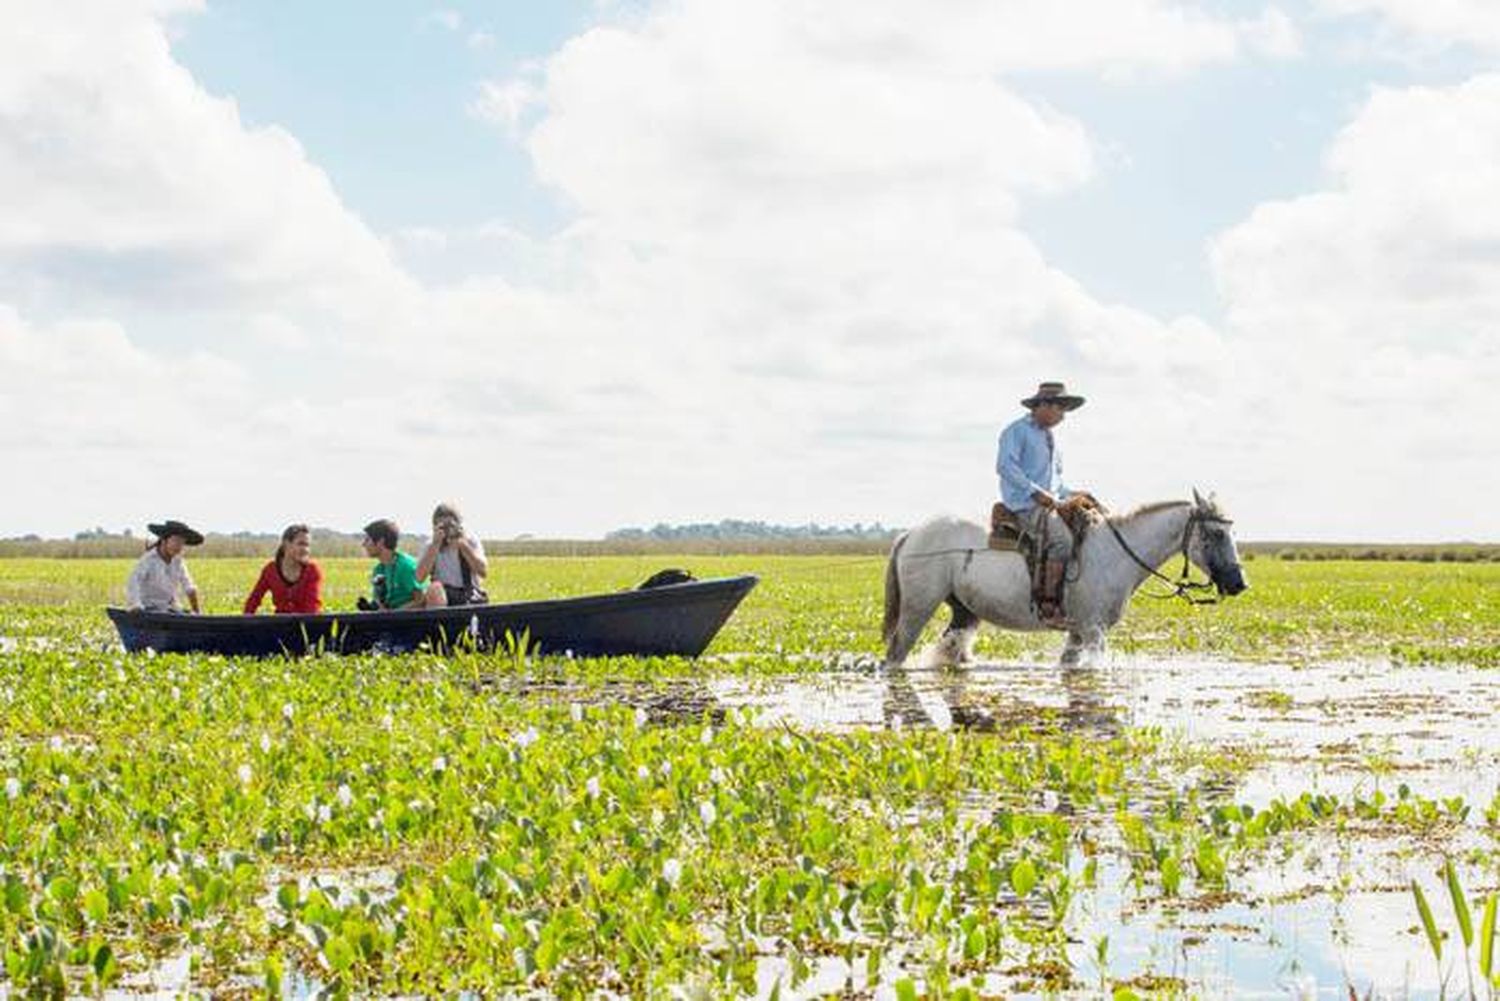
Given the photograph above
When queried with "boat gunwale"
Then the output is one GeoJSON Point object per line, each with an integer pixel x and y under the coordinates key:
{"type": "Point", "coordinates": [635, 598]}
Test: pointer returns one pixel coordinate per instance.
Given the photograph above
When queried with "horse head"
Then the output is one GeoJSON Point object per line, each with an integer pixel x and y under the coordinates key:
{"type": "Point", "coordinates": [1209, 543]}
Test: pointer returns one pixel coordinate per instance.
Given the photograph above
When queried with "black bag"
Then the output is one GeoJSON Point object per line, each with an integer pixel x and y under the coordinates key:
{"type": "Point", "coordinates": [468, 594]}
{"type": "Point", "coordinates": [665, 578]}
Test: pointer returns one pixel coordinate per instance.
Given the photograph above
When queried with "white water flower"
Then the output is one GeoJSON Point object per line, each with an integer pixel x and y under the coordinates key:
{"type": "Point", "coordinates": [707, 812]}
{"type": "Point", "coordinates": [640, 717]}
{"type": "Point", "coordinates": [288, 711]}
{"type": "Point", "coordinates": [576, 711]}
{"type": "Point", "coordinates": [592, 786]}
{"type": "Point", "coordinates": [388, 722]}
{"type": "Point", "coordinates": [245, 774]}
{"type": "Point", "coordinates": [642, 772]}
{"type": "Point", "coordinates": [527, 737]}
{"type": "Point", "coordinates": [12, 787]}
{"type": "Point", "coordinates": [345, 795]}
{"type": "Point", "coordinates": [717, 776]}
{"type": "Point", "coordinates": [63, 780]}
{"type": "Point", "coordinates": [325, 813]}
{"type": "Point", "coordinates": [176, 694]}
{"type": "Point", "coordinates": [55, 743]}
{"type": "Point", "coordinates": [376, 821]}
{"type": "Point", "coordinates": [440, 763]}
{"type": "Point", "coordinates": [265, 743]}
{"type": "Point", "coordinates": [671, 871]}
{"type": "Point", "coordinates": [1049, 800]}
{"type": "Point", "coordinates": [666, 769]}
{"type": "Point", "coordinates": [657, 817]}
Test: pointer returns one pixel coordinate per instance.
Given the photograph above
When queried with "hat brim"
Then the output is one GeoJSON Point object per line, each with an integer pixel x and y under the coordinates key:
{"type": "Point", "coordinates": [1066, 402]}
{"type": "Point", "coordinates": [188, 535]}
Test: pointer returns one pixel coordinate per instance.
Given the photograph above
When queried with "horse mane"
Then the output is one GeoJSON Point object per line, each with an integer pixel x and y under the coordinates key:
{"type": "Point", "coordinates": [1149, 508]}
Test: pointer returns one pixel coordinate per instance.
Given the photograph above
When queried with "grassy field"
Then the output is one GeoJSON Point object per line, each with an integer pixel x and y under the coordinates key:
{"type": "Point", "coordinates": [1296, 610]}
{"type": "Point", "coordinates": [424, 825]}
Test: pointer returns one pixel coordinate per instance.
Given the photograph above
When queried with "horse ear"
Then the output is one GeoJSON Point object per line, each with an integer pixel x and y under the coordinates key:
{"type": "Point", "coordinates": [1198, 499]}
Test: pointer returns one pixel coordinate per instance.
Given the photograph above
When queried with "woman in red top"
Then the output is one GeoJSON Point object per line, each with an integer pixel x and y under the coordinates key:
{"type": "Point", "coordinates": [294, 581]}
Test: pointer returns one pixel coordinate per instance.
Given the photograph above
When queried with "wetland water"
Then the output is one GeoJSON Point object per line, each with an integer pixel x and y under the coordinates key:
{"type": "Point", "coordinates": [1310, 920]}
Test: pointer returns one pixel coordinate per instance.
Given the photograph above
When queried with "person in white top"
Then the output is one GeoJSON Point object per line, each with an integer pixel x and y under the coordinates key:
{"type": "Point", "coordinates": [161, 571]}
{"type": "Point", "coordinates": [454, 558]}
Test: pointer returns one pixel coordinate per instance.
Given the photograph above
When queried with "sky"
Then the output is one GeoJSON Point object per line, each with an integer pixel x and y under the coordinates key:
{"type": "Point", "coordinates": [577, 266]}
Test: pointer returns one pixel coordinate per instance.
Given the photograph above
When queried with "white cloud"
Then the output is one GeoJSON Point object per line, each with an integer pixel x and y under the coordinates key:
{"type": "Point", "coordinates": [506, 104]}
{"type": "Point", "coordinates": [1474, 23]}
{"type": "Point", "coordinates": [1374, 304]}
{"type": "Point", "coordinates": [445, 18]}
{"type": "Point", "coordinates": [795, 284]}
{"type": "Point", "coordinates": [129, 183]}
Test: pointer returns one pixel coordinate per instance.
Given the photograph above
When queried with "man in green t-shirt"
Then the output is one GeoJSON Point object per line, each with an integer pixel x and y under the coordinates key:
{"type": "Point", "coordinates": [393, 579]}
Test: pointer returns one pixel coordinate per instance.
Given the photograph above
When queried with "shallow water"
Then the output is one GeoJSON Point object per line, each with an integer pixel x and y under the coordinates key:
{"type": "Point", "coordinates": [1334, 728]}
{"type": "Point", "coordinates": [1337, 911]}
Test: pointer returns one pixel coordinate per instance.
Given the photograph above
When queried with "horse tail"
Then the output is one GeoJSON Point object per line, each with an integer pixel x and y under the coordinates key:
{"type": "Point", "coordinates": [892, 591]}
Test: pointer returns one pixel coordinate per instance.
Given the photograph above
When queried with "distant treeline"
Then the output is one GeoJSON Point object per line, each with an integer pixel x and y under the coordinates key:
{"type": "Point", "coordinates": [1456, 552]}
{"type": "Point", "coordinates": [720, 538]}
{"type": "Point", "coordinates": [730, 529]}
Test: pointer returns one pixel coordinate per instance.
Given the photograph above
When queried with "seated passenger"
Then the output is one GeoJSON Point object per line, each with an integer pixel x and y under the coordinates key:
{"type": "Point", "coordinates": [161, 571]}
{"type": "Point", "coordinates": [454, 558]}
{"type": "Point", "coordinates": [294, 581]}
{"type": "Point", "coordinates": [393, 579]}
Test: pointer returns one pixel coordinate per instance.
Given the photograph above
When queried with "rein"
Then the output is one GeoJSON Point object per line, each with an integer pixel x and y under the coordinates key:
{"type": "Point", "coordinates": [1183, 585]}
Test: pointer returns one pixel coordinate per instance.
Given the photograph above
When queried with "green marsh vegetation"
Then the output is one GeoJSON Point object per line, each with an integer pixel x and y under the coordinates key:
{"type": "Point", "coordinates": [423, 824]}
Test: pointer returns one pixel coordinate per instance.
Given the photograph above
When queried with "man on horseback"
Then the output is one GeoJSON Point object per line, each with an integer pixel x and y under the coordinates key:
{"type": "Point", "coordinates": [1031, 487]}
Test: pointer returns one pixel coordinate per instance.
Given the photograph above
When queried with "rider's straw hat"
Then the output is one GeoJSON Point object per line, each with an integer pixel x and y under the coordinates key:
{"type": "Point", "coordinates": [1053, 392]}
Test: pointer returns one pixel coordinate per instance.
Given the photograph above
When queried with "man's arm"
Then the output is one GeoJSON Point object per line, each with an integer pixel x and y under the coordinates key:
{"type": "Point", "coordinates": [133, 586]}
{"type": "Point", "coordinates": [189, 587]}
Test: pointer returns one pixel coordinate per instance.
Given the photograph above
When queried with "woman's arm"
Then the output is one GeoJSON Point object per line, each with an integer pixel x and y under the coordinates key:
{"type": "Point", "coordinates": [472, 553]}
{"type": "Point", "coordinates": [312, 574]}
{"type": "Point", "coordinates": [428, 560]}
{"type": "Point", "coordinates": [258, 592]}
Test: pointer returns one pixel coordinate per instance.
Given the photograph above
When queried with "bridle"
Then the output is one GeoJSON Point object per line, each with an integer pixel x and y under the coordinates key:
{"type": "Point", "coordinates": [1183, 585]}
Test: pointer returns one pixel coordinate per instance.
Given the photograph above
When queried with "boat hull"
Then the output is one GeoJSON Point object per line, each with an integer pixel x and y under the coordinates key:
{"type": "Point", "coordinates": [677, 619]}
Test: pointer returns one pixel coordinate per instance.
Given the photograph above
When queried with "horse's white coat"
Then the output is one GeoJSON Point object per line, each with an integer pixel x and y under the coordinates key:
{"type": "Point", "coordinates": [949, 557]}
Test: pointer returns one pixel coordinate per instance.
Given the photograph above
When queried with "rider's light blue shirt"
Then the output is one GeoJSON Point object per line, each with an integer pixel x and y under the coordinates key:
{"type": "Point", "coordinates": [1028, 461]}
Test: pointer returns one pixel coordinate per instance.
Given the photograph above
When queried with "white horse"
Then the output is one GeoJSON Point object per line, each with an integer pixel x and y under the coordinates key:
{"type": "Point", "coordinates": [948, 559]}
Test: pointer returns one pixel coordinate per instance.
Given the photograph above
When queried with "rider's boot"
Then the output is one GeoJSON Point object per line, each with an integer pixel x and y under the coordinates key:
{"type": "Point", "coordinates": [1050, 607]}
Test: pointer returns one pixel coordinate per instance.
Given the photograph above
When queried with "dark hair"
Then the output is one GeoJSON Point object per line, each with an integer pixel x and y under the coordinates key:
{"type": "Point", "coordinates": [384, 530]}
{"type": "Point", "coordinates": [288, 537]}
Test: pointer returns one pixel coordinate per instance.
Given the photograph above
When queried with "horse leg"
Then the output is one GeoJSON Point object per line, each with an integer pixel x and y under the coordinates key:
{"type": "Point", "coordinates": [1072, 650]}
{"type": "Point", "coordinates": [957, 643]}
{"type": "Point", "coordinates": [917, 605]}
{"type": "Point", "coordinates": [1085, 643]}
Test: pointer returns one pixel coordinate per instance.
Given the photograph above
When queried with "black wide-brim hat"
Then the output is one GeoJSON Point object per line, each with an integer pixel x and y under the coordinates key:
{"type": "Point", "coordinates": [1053, 392]}
{"type": "Point", "coordinates": [170, 527]}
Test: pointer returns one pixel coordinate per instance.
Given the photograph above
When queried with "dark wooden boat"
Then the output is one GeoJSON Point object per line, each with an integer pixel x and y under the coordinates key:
{"type": "Point", "coordinates": [675, 619]}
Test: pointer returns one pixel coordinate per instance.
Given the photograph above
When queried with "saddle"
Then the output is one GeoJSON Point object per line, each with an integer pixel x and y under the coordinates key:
{"type": "Point", "coordinates": [1007, 536]}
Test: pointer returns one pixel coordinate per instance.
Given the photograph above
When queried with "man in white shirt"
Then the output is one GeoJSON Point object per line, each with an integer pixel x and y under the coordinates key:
{"type": "Point", "coordinates": [161, 571]}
